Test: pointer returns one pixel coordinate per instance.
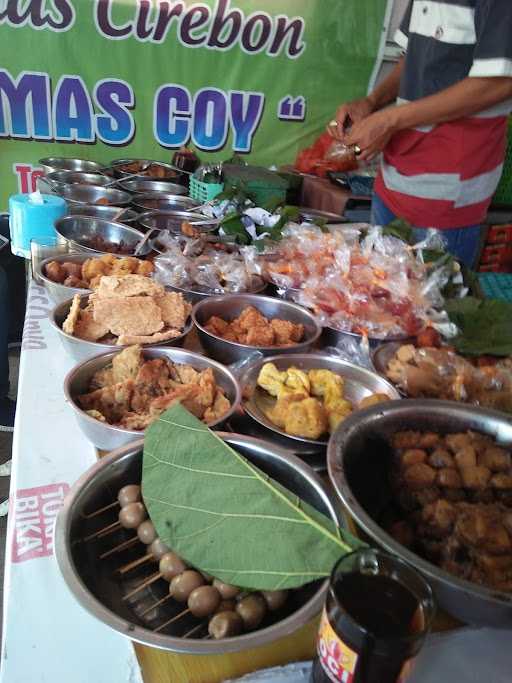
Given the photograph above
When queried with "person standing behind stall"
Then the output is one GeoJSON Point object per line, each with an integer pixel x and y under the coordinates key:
{"type": "Point", "coordinates": [444, 140]}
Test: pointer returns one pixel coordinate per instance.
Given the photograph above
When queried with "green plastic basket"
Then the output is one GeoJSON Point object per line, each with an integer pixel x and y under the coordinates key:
{"type": "Point", "coordinates": [204, 192]}
{"type": "Point", "coordinates": [503, 193]}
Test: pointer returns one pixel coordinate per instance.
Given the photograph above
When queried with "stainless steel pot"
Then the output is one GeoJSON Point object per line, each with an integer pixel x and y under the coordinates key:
{"type": "Point", "coordinates": [359, 459]}
{"type": "Point", "coordinates": [76, 231]}
{"type": "Point", "coordinates": [81, 350]}
{"type": "Point", "coordinates": [57, 292]}
{"type": "Point", "coordinates": [231, 306]}
{"type": "Point", "coordinates": [98, 590]}
{"type": "Point", "coordinates": [105, 436]}
{"type": "Point", "coordinates": [50, 164]}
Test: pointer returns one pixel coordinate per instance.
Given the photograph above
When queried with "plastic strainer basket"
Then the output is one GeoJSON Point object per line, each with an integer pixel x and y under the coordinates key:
{"type": "Point", "coordinates": [204, 192]}
{"type": "Point", "coordinates": [503, 193]}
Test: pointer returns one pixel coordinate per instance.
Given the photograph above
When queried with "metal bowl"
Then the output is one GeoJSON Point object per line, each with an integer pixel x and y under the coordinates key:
{"type": "Point", "coordinates": [57, 292]}
{"type": "Point", "coordinates": [78, 230]}
{"type": "Point", "coordinates": [358, 384]}
{"type": "Point", "coordinates": [60, 179]}
{"type": "Point", "coordinates": [173, 220]}
{"type": "Point", "coordinates": [170, 172]}
{"type": "Point", "coordinates": [50, 164]}
{"type": "Point", "coordinates": [198, 293]}
{"type": "Point", "coordinates": [81, 350]}
{"type": "Point", "coordinates": [142, 186]}
{"type": "Point", "coordinates": [333, 337]}
{"type": "Point", "coordinates": [107, 213]}
{"type": "Point", "coordinates": [92, 194]}
{"type": "Point", "coordinates": [158, 201]}
{"type": "Point", "coordinates": [358, 462]}
{"type": "Point", "coordinates": [310, 215]}
{"type": "Point", "coordinates": [97, 588]}
{"type": "Point", "coordinates": [105, 436]}
{"type": "Point", "coordinates": [231, 306]}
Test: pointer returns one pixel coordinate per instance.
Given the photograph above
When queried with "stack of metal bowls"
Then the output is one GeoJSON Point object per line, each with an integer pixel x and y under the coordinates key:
{"type": "Point", "coordinates": [101, 591]}
{"type": "Point", "coordinates": [57, 180]}
{"type": "Point", "coordinates": [77, 231]}
{"type": "Point", "coordinates": [141, 186]}
{"type": "Point", "coordinates": [94, 194]}
{"type": "Point", "coordinates": [50, 164]}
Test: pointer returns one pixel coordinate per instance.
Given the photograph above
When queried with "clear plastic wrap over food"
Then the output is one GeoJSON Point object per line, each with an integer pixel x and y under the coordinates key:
{"type": "Point", "coordinates": [357, 279]}
{"type": "Point", "coordinates": [203, 262]}
{"type": "Point", "coordinates": [442, 373]}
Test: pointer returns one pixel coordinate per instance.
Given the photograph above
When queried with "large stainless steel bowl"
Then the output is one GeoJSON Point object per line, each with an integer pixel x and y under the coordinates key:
{"type": "Point", "coordinates": [105, 436]}
{"type": "Point", "coordinates": [50, 164]}
{"type": "Point", "coordinates": [359, 459]}
{"type": "Point", "coordinates": [231, 306]}
{"type": "Point", "coordinates": [173, 220]}
{"type": "Point", "coordinates": [358, 384]}
{"type": "Point", "coordinates": [57, 292]}
{"type": "Point", "coordinates": [97, 588]}
{"type": "Point", "coordinates": [60, 179]}
{"type": "Point", "coordinates": [81, 350]}
{"type": "Point", "coordinates": [94, 194]}
{"type": "Point", "coordinates": [78, 230]}
{"type": "Point", "coordinates": [118, 214]}
{"type": "Point", "coordinates": [158, 201]}
{"type": "Point", "coordinates": [170, 172]}
{"type": "Point", "coordinates": [142, 186]}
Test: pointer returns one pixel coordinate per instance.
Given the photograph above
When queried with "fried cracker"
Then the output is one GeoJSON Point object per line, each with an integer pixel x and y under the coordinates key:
{"type": "Point", "coordinates": [126, 364]}
{"type": "Point", "coordinates": [68, 326]}
{"type": "Point", "coordinates": [88, 329]}
{"type": "Point", "coordinates": [175, 310]}
{"type": "Point", "coordinates": [125, 339]}
{"type": "Point", "coordinates": [136, 315]}
{"type": "Point", "coordinates": [128, 286]}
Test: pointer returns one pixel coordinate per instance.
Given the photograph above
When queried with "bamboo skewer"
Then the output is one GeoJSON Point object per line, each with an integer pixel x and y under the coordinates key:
{"type": "Point", "coordinates": [119, 548]}
{"type": "Point", "coordinates": [143, 585]}
{"type": "Point", "coordinates": [103, 532]}
{"type": "Point", "coordinates": [156, 604]}
{"type": "Point", "coordinates": [136, 563]}
{"type": "Point", "coordinates": [170, 621]}
{"type": "Point", "coordinates": [103, 509]}
{"type": "Point", "coordinates": [193, 630]}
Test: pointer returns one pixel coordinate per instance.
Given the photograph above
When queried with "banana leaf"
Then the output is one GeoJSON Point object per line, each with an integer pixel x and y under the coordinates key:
{"type": "Point", "coordinates": [226, 517]}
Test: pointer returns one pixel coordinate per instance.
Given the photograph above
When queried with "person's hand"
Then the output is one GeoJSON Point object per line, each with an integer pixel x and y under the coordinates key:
{"type": "Point", "coordinates": [372, 134]}
{"type": "Point", "coordinates": [348, 114]}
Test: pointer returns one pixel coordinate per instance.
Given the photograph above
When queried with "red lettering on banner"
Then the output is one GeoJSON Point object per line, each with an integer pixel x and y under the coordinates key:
{"type": "Point", "coordinates": [34, 512]}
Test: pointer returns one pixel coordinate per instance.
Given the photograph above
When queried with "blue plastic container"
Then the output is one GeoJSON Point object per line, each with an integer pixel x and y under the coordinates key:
{"type": "Point", "coordinates": [28, 220]}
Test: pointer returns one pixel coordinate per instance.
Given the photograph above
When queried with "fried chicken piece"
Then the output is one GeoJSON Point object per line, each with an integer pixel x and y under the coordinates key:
{"type": "Point", "coordinates": [457, 442]}
{"type": "Point", "coordinates": [220, 407]}
{"type": "Point", "coordinates": [126, 365]}
{"type": "Point", "coordinates": [218, 327]}
{"type": "Point", "coordinates": [475, 477]}
{"type": "Point", "coordinates": [68, 326]}
{"type": "Point", "coordinates": [413, 456]}
{"type": "Point", "coordinates": [112, 401]}
{"type": "Point", "coordinates": [465, 457]}
{"type": "Point", "coordinates": [94, 268]}
{"type": "Point", "coordinates": [175, 310]}
{"type": "Point", "coordinates": [152, 380]}
{"type": "Point", "coordinates": [449, 478]}
{"type": "Point", "coordinates": [124, 266]}
{"type": "Point", "coordinates": [55, 272]}
{"type": "Point", "coordinates": [185, 395]}
{"type": "Point", "coordinates": [496, 459]}
{"type": "Point", "coordinates": [419, 476]}
{"type": "Point", "coordinates": [286, 333]}
{"type": "Point", "coordinates": [306, 418]}
{"type": "Point", "coordinates": [441, 458]}
{"type": "Point", "coordinates": [251, 317]}
{"type": "Point", "coordinates": [260, 335]}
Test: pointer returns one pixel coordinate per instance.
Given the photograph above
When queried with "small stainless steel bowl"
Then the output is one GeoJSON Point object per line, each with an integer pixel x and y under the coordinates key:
{"type": "Point", "coordinates": [170, 173]}
{"type": "Point", "coordinates": [92, 194]}
{"type": "Point", "coordinates": [198, 293]}
{"type": "Point", "coordinates": [78, 230]}
{"type": "Point", "coordinates": [100, 591]}
{"type": "Point", "coordinates": [158, 201]}
{"type": "Point", "coordinates": [105, 436]}
{"type": "Point", "coordinates": [173, 220]}
{"type": "Point", "coordinates": [143, 186]}
{"type": "Point", "coordinates": [359, 460]}
{"type": "Point", "coordinates": [50, 164]}
{"type": "Point", "coordinates": [60, 179]}
{"type": "Point", "coordinates": [333, 337]}
{"type": "Point", "coordinates": [81, 350]}
{"type": "Point", "coordinates": [358, 384]}
{"type": "Point", "coordinates": [231, 306]}
{"type": "Point", "coordinates": [107, 213]}
{"type": "Point", "coordinates": [57, 292]}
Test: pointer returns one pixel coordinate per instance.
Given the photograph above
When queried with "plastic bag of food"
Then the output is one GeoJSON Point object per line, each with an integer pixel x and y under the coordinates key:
{"type": "Point", "coordinates": [326, 154]}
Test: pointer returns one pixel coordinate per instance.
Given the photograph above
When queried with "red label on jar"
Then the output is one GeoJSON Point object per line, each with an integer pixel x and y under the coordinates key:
{"type": "Point", "coordinates": [337, 659]}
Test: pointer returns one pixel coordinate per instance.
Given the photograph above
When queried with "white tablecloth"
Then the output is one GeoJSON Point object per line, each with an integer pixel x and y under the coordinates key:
{"type": "Point", "coordinates": [47, 636]}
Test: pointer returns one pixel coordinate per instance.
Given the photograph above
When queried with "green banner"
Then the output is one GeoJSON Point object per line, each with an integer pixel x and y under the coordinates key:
{"type": "Point", "coordinates": [104, 79]}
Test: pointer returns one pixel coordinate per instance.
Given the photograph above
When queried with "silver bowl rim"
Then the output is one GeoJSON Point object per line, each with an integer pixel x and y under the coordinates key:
{"type": "Point", "coordinates": [72, 257]}
{"type": "Point", "coordinates": [254, 299]}
{"type": "Point", "coordinates": [208, 227]}
{"type": "Point", "coordinates": [122, 183]}
{"type": "Point", "coordinates": [50, 161]}
{"type": "Point", "coordinates": [241, 643]}
{"type": "Point", "coordinates": [125, 200]}
{"type": "Point", "coordinates": [102, 349]}
{"type": "Point", "coordinates": [209, 294]}
{"type": "Point", "coordinates": [76, 206]}
{"type": "Point", "coordinates": [165, 350]}
{"type": "Point", "coordinates": [268, 424]}
{"type": "Point", "coordinates": [115, 163]}
{"type": "Point", "coordinates": [123, 226]}
{"type": "Point", "coordinates": [370, 526]}
{"type": "Point", "coordinates": [139, 197]}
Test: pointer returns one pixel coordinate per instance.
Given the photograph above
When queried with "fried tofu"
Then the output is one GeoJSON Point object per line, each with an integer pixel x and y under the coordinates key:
{"type": "Point", "coordinates": [306, 418]}
{"type": "Point", "coordinates": [271, 379]}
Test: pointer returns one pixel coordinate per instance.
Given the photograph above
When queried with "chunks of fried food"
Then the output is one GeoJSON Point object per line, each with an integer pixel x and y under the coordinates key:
{"type": "Point", "coordinates": [306, 418]}
{"type": "Point", "coordinates": [132, 392]}
{"type": "Point", "coordinates": [122, 287]}
{"type": "Point", "coordinates": [134, 315]}
{"type": "Point", "coordinates": [175, 310]}
{"type": "Point", "coordinates": [254, 329]}
{"type": "Point", "coordinates": [271, 379]}
{"type": "Point", "coordinates": [373, 400]}
{"type": "Point", "coordinates": [321, 380]}
{"type": "Point", "coordinates": [68, 326]}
